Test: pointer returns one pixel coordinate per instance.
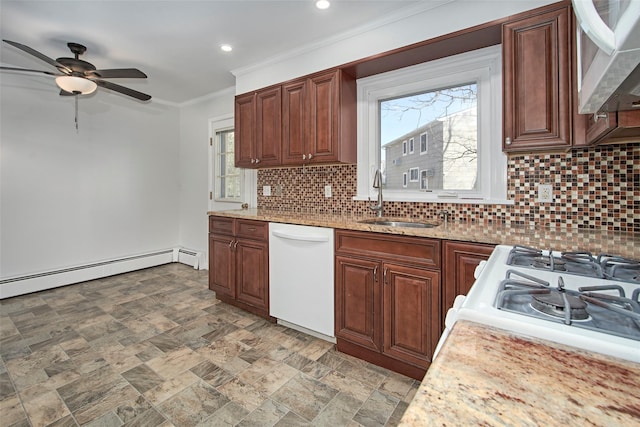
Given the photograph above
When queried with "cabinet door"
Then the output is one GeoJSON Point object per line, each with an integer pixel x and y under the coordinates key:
{"type": "Point", "coordinates": [245, 124]}
{"type": "Point", "coordinates": [537, 82]}
{"type": "Point", "coordinates": [252, 273]}
{"type": "Point", "coordinates": [221, 264]}
{"type": "Point", "coordinates": [459, 263]}
{"type": "Point", "coordinates": [358, 301]}
{"type": "Point", "coordinates": [411, 310]}
{"type": "Point", "coordinates": [294, 119]}
{"type": "Point", "coordinates": [324, 98]}
{"type": "Point", "coordinates": [268, 127]}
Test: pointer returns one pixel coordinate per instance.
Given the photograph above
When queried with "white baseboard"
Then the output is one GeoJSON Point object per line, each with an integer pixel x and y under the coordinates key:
{"type": "Point", "coordinates": [25, 284]}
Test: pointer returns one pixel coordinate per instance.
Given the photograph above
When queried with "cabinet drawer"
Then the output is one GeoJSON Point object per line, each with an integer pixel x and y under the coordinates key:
{"type": "Point", "coordinates": [418, 251]}
{"type": "Point", "coordinates": [249, 229]}
{"type": "Point", "coordinates": [220, 225]}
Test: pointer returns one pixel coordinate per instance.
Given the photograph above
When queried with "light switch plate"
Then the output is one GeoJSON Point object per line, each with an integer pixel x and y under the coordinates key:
{"type": "Point", "coordinates": [266, 190]}
{"type": "Point", "coordinates": [327, 191]}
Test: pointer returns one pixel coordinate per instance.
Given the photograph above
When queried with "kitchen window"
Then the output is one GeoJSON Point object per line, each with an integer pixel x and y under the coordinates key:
{"type": "Point", "coordinates": [453, 108]}
{"type": "Point", "coordinates": [227, 176]}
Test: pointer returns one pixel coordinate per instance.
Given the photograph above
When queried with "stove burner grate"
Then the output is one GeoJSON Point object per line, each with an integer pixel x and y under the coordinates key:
{"type": "Point", "coordinates": [556, 304]}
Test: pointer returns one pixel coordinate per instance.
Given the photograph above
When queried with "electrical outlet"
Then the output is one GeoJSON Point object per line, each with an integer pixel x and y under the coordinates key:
{"type": "Point", "coordinates": [278, 190]}
{"type": "Point", "coordinates": [327, 191]}
{"type": "Point", "coordinates": [266, 190]}
{"type": "Point", "coordinates": [545, 193]}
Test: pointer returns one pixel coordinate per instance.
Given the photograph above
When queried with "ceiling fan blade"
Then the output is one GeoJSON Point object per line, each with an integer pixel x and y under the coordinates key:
{"type": "Point", "coordinates": [39, 55]}
{"type": "Point", "coordinates": [26, 70]}
{"type": "Point", "coordinates": [116, 73]}
{"type": "Point", "coordinates": [124, 90]}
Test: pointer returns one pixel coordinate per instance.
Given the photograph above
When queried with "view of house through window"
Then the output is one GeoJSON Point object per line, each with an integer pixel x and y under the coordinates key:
{"type": "Point", "coordinates": [227, 176]}
{"type": "Point", "coordinates": [429, 140]}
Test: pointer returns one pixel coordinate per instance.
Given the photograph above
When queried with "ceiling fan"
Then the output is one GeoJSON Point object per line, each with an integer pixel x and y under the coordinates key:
{"type": "Point", "coordinates": [78, 77]}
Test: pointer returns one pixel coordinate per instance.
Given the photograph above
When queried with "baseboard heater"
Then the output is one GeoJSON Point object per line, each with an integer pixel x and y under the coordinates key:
{"type": "Point", "coordinates": [26, 284]}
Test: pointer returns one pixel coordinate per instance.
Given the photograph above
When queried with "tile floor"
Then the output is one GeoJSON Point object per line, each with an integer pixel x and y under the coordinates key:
{"type": "Point", "coordinates": [155, 348]}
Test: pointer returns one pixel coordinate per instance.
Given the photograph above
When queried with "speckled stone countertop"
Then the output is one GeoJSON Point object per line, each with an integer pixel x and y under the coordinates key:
{"type": "Point", "coordinates": [490, 377]}
{"type": "Point", "coordinates": [563, 239]}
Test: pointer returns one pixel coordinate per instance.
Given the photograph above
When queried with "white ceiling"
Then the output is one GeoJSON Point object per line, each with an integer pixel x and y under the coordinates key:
{"type": "Point", "coordinates": [176, 43]}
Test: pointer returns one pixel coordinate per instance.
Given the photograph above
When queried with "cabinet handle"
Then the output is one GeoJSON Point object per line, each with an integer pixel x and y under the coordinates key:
{"type": "Point", "coordinates": [507, 141]}
{"type": "Point", "coordinates": [251, 229]}
{"type": "Point", "coordinates": [257, 161]}
{"type": "Point", "coordinates": [230, 244]}
{"type": "Point", "coordinates": [310, 156]}
{"type": "Point", "coordinates": [304, 157]}
{"type": "Point", "coordinates": [598, 116]}
{"type": "Point", "coordinates": [252, 161]}
{"type": "Point", "coordinates": [235, 245]}
{"type": "Point", "coordinates": [375, 274]}
{"type": "Point", "coordinates": [385, 275]}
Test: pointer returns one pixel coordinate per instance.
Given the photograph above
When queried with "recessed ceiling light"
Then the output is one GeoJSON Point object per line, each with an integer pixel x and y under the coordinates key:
{"type": "Point", "coordinates": [323, 4]}
{"type": "Point", "coordinates": [226, 47]}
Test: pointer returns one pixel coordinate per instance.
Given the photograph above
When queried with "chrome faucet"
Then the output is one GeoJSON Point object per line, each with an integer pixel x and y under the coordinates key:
{"type": "Point", "coordinates": [377, 183]}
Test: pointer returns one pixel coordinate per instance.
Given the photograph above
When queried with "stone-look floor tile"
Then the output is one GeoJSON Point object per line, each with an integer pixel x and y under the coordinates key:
{"type": "Point", "coordinates": [45, 409]}
{"type": "Point", "coordinates": [305, 396]}
{"type": "Point", "coordinates": [294, 420]}
{"type": "Point", "coordinates": [376, 410]}
{"type": "Point", "coordinates": [351, 385]}
{"type": "Point", "coordinates": [396, 385]}
{"type": "Point", "coordinates": [142, 378]}
{"type": "Point", "coordinates": [339, 411]}
{"type": "Point", "coordinates": [227, 416]}
{"type": "Point", "coordinates": [268, 414]}
{"type": "Point", "coordinates": [243, 394]}
{"type": "Point", "coordinates": [170, 388]}
{"type": "Point", "coordinates": [12, 412]}
{"type": "Point", "coordinates": [277, 377]}
{"type": "Point", "coordinates": [193, 404]}
{"type": "Point", "coordinates": [155, 348]}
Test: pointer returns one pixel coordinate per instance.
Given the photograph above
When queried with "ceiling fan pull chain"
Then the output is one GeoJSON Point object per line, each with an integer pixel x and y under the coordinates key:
{"type": "Point", "coordinates": [76, 118]}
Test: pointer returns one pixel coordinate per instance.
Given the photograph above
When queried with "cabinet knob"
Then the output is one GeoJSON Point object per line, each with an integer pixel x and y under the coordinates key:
{"type": "Point", "coordinates": [507, 141]}
{"type": "Point", "coordinates": [304, 157]}
{"type": "Point", "coordinates": [257, 161]}
{"type": "Point", "coordinates": [252, 161]}
{"type": "Point", "coordinates": [310, 156]}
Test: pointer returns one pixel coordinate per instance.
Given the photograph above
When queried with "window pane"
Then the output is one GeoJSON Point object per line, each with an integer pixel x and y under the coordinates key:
{"type": "Point", "coordinates": [444, 121]}
{"type": "Point", "coordinates": [227, 175]}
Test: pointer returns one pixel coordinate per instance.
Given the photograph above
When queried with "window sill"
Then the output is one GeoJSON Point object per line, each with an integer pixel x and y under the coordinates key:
{"type": "Point", "coordinates": [435, 199]}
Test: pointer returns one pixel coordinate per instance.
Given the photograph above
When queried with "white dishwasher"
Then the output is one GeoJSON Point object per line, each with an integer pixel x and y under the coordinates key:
{"type": "Point", "coordinates": [301, 278]}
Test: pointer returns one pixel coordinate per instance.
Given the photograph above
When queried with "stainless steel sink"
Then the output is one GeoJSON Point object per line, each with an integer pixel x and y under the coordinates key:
{"type": "Point", "coordinates": [398, 223]}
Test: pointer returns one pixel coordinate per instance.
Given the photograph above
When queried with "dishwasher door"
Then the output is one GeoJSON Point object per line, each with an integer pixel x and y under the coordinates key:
{"type": "Point", "coordinates": [301, 263]}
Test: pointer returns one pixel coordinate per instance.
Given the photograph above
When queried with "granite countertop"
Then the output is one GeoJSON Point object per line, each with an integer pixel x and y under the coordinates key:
{"type": "Point", "coordinates": [491, 377]}
{"type": "Point", "coordinates": [565, 239]}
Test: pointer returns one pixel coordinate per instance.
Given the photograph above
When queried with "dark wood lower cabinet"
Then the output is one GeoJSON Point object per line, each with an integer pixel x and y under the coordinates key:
{"type": "Point", "coordinates": [239, 263]}
{"type": "Point", "coordinates": [387, 303]}
{"type": "Point", "coordinates": [459, 262]}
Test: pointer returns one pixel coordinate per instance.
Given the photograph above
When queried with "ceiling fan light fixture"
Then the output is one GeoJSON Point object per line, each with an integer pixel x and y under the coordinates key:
{"type": "Point", "coordinates": [76, 85]}
{"type": "Point", "coordinates": [323, 4]}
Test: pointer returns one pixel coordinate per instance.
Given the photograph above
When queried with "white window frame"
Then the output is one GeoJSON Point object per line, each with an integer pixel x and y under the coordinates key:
{"type": "Point", "coordinates": [417, 174]}
{"type": "Point", "coordinates": [248, 178]}
{"type": "Point", "coordinates": [426, 143]}
{"type": "Point", "coordinates": [411, 145]}
{"type": "Point", "coordinates": [483, 66]}
{"type": "Point", "coordinates": [405, 179]}
{"type": "Point", "coordinates": [424, 180]}
{"type": "Point", "coordinates": [404, 147]}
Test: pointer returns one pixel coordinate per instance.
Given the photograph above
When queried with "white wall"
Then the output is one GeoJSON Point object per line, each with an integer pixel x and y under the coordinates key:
{"type": "Point", "coordinates": [68, 198]}
{"type": "Point", "coordinates": [396, 31]}
{"type": "Point", "coordinates": [194, 166]}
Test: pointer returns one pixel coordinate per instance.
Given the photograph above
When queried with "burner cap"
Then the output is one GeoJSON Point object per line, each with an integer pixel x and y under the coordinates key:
{"type": "Point", "coordinates": [544, 262]}
{"type": "Point", "coordinates": [553, 304]}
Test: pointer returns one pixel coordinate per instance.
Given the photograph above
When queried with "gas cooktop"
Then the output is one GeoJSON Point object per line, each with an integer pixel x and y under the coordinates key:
{"type": "Point", "coordinates": [573, 298]}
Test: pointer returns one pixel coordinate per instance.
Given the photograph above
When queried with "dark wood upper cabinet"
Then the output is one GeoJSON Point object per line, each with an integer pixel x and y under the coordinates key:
{"type": "Point", "coordinates": [258, 128]}
{"type": "Point", "coordinates": [537, 82]}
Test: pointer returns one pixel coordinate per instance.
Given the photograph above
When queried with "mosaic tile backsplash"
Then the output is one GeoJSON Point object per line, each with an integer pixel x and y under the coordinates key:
{"type": "Point", "coordinates": [595, 187]}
